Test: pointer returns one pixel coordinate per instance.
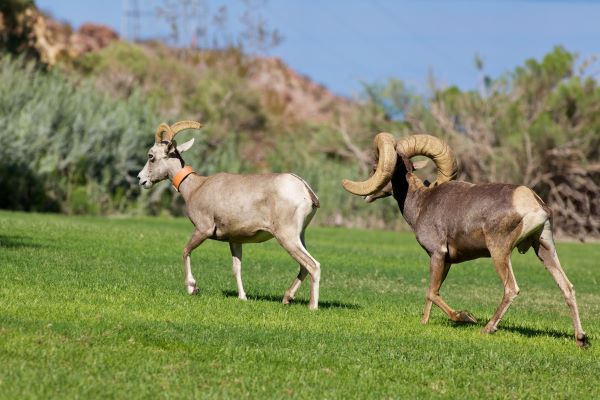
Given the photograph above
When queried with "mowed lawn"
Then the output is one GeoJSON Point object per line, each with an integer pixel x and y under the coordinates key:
{"type": "Point", "coordinates": [95, 307]}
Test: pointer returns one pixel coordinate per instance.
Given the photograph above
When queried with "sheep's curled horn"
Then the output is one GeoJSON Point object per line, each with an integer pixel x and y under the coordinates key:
{"type": "Point", "coordinates": [415, 145]}
{"type": "Point", "coordinates": [173, 130]}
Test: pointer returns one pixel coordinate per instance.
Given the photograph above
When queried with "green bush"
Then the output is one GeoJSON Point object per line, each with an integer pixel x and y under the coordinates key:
{"type": "Point", "coordinates": [75, 144]}
{"type": "Point", "coordinates": [68, 142]}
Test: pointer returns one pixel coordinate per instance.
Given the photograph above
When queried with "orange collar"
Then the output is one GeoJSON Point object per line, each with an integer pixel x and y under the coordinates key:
{"type": "Point", "coordinates": [181, 175]}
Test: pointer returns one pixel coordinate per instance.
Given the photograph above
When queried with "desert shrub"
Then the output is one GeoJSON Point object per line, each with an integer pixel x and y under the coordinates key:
{"type": "Point", "coordinates": [71, 140]}
{"type": "Point", "coordinates": [78, 138]}
{"type": "Point", "coordinates": [310, 153]}
{"type": "Point", "coordinates": [537, 125]}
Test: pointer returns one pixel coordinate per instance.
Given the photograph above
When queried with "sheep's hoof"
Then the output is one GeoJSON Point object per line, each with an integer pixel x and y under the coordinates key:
{"type": "Point", "coordinates": [489, 329]}
{"type": "Point", "coordinates": [287, 300]}
{"type": "Point", "coordinates": [192, 290]}
{"type": "Point", "coordinates": [465, 317]}
{"type": "Point", "coordinates": [583, 342]}
{"type": "Point", "coordinates": [242, 297]}
{"type": "Point", "coordinates": [313, 306]}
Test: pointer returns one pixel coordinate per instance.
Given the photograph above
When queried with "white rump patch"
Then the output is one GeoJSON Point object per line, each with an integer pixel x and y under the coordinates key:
{"type": "Point", "coordinates": [531, 211]}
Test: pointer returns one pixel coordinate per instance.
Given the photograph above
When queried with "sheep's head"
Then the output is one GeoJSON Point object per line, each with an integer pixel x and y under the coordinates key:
{"type": "Point", "coordinates": [165, 154]}
{"type": "Point", "coordinates": [388, 151]}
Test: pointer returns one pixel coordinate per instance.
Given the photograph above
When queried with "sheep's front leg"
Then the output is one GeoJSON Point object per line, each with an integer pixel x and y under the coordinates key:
{"type": "Point", "coordinates": [236, 254]}
{"type": "Point", "coordinates": [195, 241]}
{"type": "Point", "coordinates": [429, 303]}
{"type": "Point", "coordinates": [437, 273]}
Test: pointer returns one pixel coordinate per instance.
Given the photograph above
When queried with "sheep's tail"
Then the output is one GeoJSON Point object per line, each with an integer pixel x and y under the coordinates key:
{"type": "Point", "coordinates": [313, 196]}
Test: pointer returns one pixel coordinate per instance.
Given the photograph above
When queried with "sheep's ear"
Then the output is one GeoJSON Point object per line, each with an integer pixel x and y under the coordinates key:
{"type": "Point", "coordinates": [406, 161]}
{"type": "Point", "coordinates": [420, 164]}
{"type": "Point", "coordinates": [185, 146]}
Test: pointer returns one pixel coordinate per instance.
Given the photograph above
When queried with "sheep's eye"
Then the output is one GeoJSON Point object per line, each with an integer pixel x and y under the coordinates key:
{"type": "Point", "coordinates": [151, 157]}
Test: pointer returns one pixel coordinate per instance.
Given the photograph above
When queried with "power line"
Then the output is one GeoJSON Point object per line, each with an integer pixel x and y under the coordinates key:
{"type": "Point", "coordinates": [396, 19]}
{"type": "Point", "coordinates": [344, 24]}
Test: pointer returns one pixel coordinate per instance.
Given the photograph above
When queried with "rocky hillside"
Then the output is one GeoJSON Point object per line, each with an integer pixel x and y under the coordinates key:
{"type": "Point", "coordinates": [294, 97]}
{"type": "Point", "coordinates": [52, 41]}
{"type": "Point", "coordinates": [300, 97]}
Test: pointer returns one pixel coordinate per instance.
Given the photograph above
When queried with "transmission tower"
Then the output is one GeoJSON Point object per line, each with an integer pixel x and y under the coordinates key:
{"type": "Point", "coordinates": [130, 20]}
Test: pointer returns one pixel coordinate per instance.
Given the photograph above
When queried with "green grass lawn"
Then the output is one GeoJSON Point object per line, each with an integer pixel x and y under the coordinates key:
{"type": "Point", "coordinates": [95, 307]}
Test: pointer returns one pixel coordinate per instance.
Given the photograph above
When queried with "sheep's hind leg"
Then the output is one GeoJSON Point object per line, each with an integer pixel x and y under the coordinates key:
{"type": "Point", "coordinates": [546, 251]}
{"type": "Point", "coordinates": [438, 270]}
{"type": "Point", "coordinates": [236, 267]}
{"type": "Point", "coordinates": [293, 245]}
{"type": "Point", "coordinates": [195, 241]}
{"type": "Point", "coordinates": [511, 289]}
{"type": "Point", "coordinates": [290, 294]}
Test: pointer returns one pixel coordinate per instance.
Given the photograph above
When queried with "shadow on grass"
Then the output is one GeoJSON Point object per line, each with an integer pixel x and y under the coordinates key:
{"type": "Point", "coordinates": [277, 299]}
{"type": "Point", "coordinates": [533, 332]}
{"type": "Point", "coordinates": [17, 241]}
{"type": "Point", "coordinates": [522, 330]}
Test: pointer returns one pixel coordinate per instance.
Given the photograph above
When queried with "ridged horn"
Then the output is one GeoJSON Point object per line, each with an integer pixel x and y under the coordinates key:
{"type": "Point", "coordinates": [162, 128]}
{"type": "Point", "coordinates": [174, 129]}
{"type": "Point", "coordinates": [434, 148]}
{"type": "Point", "coordinates": [183, 125]}
{"type": "Point", "coordinates": [384, 144]}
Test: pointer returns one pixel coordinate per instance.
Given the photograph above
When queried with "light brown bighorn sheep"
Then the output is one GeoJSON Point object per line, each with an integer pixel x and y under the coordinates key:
{"type": "Point", "coordinates": [237, 209]}
{"type": "Point", "coordinates": [459, 221]}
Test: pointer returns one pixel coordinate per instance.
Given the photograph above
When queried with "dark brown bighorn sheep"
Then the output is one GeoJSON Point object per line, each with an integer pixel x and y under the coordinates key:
{"type": "Point", "coordinates": [459, 221]}
{"type": "Point", "coordinates": [237, 209]}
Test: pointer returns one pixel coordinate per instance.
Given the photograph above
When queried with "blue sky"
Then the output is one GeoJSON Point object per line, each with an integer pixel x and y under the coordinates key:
{"type": "Point", "coordinates": [342, 43]}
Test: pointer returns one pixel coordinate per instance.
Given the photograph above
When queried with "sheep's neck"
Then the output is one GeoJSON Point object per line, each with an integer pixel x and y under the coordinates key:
{"type": "Point", "coordinates": [407, 192]}
{"type": "Point", "coordinates": [189, 184]}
